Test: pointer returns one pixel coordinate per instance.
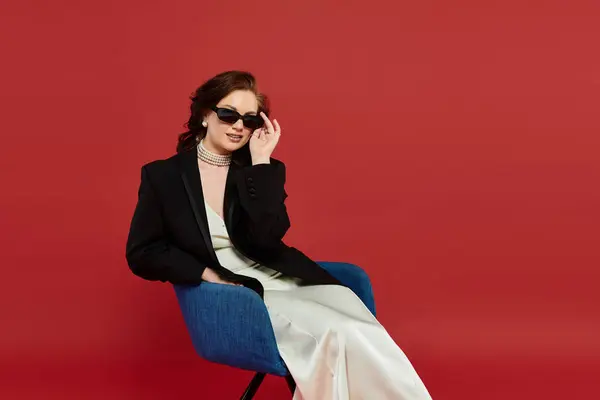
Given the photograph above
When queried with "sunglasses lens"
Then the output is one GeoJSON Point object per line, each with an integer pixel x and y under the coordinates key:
{"type": "Point", "coordinates": [229, 116]}
{"type": "Point", "coordinates": [253, 121]}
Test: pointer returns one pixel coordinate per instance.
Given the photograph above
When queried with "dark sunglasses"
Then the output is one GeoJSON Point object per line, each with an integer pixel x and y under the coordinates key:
{"type": "Point", "coordinates": [231, 117]}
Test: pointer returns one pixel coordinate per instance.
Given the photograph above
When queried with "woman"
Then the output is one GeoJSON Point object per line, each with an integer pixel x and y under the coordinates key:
{"type": "Point", "coordinates": [215, 212]}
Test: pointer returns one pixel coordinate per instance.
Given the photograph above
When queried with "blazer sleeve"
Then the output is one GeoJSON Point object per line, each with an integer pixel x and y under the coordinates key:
{"type": "Point", "coordinates": [262, 196]}
{"type": "Point", "coordinates": [148, 253]}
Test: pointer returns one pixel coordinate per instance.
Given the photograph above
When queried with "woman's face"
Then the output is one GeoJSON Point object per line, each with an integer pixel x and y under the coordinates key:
{"type": "Point", "coordinates": [223, 137]}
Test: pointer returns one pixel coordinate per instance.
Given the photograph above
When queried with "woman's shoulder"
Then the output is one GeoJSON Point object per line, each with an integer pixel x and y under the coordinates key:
{"type": "Point", "coordinates": [172, 164]}
{"type": "Point", "coordinates": [162, 166]}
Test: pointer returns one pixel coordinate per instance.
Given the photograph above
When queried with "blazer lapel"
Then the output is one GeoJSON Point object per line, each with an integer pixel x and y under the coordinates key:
{"type": "Point", "coordinates": [229, 199]}
{"type": "Point", "coordinates": [190, 174]}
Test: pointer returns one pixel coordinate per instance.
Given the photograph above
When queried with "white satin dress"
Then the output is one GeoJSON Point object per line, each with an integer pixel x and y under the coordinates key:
{"type": "Point", "coordinates": [334, 348]}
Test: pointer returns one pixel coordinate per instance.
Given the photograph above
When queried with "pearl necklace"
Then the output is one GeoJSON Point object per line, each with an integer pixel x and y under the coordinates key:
{"type": "Point", "coordinates": [212, 158]}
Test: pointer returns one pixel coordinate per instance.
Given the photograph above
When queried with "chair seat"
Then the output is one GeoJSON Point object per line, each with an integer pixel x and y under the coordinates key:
{"type": "Point", "coordinates": [230, 324]}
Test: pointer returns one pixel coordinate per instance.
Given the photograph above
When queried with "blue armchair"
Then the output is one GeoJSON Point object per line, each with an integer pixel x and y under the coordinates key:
{"type": "Point", "coordinates": [230, 324]}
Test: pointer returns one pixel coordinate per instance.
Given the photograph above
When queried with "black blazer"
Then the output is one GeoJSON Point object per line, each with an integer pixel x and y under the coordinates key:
{"type": "Point", "coordinates": [169, 238]}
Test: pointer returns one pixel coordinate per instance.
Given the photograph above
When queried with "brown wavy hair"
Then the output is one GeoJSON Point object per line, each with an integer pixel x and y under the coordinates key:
{"type": "Point", "coordinates": [207, 96]}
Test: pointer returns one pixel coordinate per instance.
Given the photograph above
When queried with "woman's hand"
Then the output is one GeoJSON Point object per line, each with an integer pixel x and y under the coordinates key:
{"type": "Point", "coordinates": [264, 140]}
{"type": "Point", "coordinates": [211, 276]}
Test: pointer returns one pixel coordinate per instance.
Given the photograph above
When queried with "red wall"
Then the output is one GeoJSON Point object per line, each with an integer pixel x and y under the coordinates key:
{"type": "Point", "coordinates": [450, 148]}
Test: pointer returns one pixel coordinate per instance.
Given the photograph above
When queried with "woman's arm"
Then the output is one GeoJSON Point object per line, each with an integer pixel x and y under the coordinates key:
{"type": "Point", "coordinates": [148, 253]}
{"type": "Point", "coordinates": [262, 197]}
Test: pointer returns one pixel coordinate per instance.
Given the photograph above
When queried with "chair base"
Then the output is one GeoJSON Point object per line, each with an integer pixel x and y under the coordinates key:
{"type": "Point", "coordinates": [258, 380]}
{"type": "Point", "coordinates": [291, 383]}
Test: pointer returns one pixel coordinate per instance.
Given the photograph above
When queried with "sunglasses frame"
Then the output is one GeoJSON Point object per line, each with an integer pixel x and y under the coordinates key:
{"type": "Point", "coordinates": [261, 122]}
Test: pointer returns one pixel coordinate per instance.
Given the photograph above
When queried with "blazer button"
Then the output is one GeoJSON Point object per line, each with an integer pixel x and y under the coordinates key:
{"type": "Point", "coordinates": [252, 190]}
{"type": "Point", "coordinates": [250, 180]}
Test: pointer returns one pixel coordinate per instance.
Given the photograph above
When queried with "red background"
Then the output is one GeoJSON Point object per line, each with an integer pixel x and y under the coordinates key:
{"type": "Point", "coordinates": [451, 148]}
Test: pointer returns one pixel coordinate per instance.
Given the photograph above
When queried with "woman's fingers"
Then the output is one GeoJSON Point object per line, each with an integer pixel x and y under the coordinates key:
{"type": "Point", "coordinates": [277, 127]}
{"type": "Point", "coordinates": [268, 124]}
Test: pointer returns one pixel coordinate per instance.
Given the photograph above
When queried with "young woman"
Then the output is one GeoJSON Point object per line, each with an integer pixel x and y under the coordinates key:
{"type": "Point", "coordinates": [216, 212]}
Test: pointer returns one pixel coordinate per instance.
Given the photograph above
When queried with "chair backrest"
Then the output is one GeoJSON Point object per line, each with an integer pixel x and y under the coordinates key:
{"type": "Point", "coordinates": [354, 278]}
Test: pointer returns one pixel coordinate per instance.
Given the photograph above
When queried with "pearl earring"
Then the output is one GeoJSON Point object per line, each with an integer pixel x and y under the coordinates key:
{"type": "Point", "coordinates": [204, 124]}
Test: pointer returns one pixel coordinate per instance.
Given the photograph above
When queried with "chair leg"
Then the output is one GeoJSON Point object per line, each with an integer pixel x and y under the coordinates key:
{"type": "Point", "coordinates": [291, 383]}
{"type": "Point", "coordinates": [253, 386]}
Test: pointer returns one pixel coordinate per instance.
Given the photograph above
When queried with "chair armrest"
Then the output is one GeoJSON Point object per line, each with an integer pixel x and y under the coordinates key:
{"type": "Point", "coordinates": [230, 325]}
{"type": "Point", "coordinates": [355, 278]}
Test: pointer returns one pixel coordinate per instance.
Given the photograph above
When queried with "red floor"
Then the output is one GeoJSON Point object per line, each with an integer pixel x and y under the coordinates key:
{"type": "Point", "coordinates": [446, 380]}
